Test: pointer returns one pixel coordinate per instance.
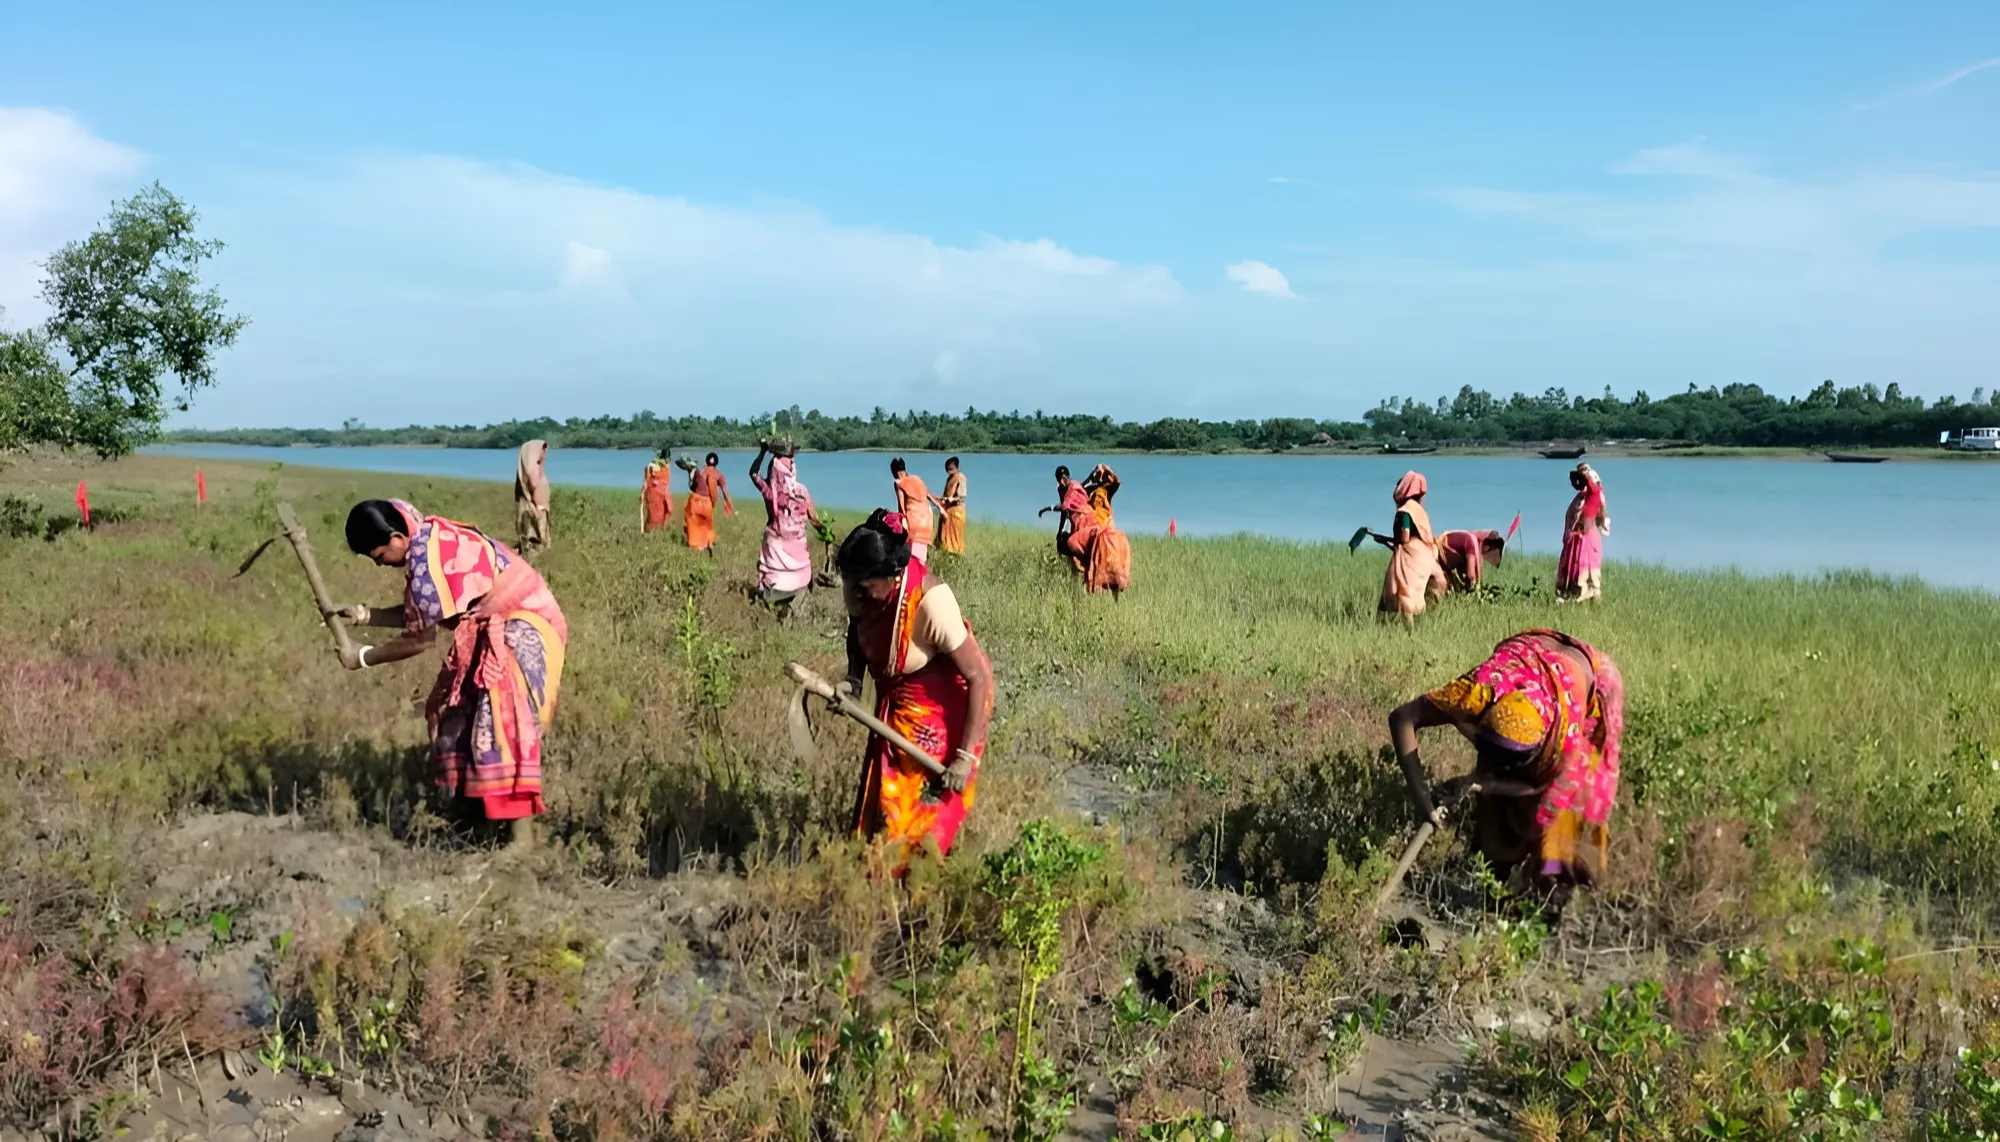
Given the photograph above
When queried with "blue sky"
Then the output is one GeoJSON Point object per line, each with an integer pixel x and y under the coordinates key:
{"type": "Point", "coordinates": [474, 212]}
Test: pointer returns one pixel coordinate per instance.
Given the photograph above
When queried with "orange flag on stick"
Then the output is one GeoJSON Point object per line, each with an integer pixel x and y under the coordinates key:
{"type": "Point", "coordinates": [1513, 527]}
{"type": "Point", "coordinates": [200, 487]}
{"type": "Point", "coordinates": [1173, 527]}
{"type": "Point", "coordinates": [83, 503]}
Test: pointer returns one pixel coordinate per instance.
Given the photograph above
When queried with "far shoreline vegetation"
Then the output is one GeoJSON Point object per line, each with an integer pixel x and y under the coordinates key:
{"type": "Point", "coordinates": [1734, 417]}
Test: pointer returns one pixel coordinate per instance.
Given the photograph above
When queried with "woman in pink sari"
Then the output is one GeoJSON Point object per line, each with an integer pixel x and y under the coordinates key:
{"type": "Point", "coordinates": [1544, 714]}
{"type": "Point", "coordinates": [496, 691]}
{"type": "Point", "coordinates": [784, 564]}
{"type": "Point", "coordinates": [1580, 568]}
{"type": "Point", "coordinates": [1413, 574]}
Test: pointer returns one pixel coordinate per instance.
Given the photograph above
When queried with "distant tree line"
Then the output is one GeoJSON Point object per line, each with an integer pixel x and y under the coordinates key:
{"type": "Point", "coordinates": [1738, 415]}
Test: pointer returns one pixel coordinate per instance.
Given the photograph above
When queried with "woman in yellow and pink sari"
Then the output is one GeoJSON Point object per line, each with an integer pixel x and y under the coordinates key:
{"type": "Point", "coordinates": [1545, 714]}
{"type": "Point", "coordinates": [1413, 574]}
{"type": "Point", "coordinates": [933, 685]}
{"type": "Point", "coordinates": [496, 692]}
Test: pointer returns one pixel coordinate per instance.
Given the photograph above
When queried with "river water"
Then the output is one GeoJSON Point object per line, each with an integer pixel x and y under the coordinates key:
{"type": "Point", "coordinates": [1931, 519]}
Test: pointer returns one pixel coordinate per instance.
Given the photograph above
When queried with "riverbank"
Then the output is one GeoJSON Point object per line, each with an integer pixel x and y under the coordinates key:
{"type": "Point", "coordinates": [694, 951]}
{"type": "Point", "coordinates": [1623, 449]}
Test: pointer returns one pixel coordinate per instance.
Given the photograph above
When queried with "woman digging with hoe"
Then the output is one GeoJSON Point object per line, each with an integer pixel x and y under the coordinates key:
{"type": "Point", "coordinates": [1545, 713]}
{"type": "Point", "coordinates": [933, 685]}
{"type": "Point", "coordinates": [496, 691]}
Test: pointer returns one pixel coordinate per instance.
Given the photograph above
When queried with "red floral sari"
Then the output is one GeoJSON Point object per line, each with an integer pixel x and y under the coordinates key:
{"type": "Point", "coordinates": [899, 799]}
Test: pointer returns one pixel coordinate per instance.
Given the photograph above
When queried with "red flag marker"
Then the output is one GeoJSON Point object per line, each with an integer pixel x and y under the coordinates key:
{"type": "Point", "coordinates": [83, 503]}
{"type": "Point", "coordinates": [200, 487]}
{"type": "Point", "coordinates": [1513, 527]}
{"type": "Point", "coordinates": [1173, 527]}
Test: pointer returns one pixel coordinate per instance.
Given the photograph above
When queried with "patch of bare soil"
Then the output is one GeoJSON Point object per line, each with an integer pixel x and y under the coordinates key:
{"type": "Point", "coordinates": [272, 874]}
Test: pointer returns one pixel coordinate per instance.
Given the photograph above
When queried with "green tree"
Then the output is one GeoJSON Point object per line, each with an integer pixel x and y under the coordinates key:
{"type": "Point", "coordinates": [34, 392]}
{"type": "Point", "coordinates": [129, 312]}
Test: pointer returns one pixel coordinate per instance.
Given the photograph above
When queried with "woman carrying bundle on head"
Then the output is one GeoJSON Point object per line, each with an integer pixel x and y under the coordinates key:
{"type": "Point", "coordinates": [656, 493]}
{"type": "Point", "coordinates": [1580, 568]}
{"type": "Point", "coordinates": [1095, 549]}
{"type": "Point", "coordinates": [531, 497]}
{"type": "Point", "coordinates": [1544, 713]}
{"type": "Point", "coordinates": [784, 563]}
{"type": "Point", "coordinates": [496, 692]}
{"type": "Point", "coordinates": [933, 685]}
{"type": "Point", "coordinates": [1413, 574]}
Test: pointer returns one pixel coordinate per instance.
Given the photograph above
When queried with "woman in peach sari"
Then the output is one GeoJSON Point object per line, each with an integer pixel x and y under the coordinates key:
{"type": "Point", "coordinates": [495, 694]}
{"type": "Point", "coordinates": [1413, 573]}
{"type": "Point", "coordinates": [933, 685]}
{"type": "Point", "coordinates": [531, 497]}
{"type": "Point", "coordinates": [1545, 714]}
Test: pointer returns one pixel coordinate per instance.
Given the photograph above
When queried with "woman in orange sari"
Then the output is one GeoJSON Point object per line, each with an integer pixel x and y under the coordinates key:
{"type": "Point", "coordinates": [1096, 550]}
{"type": "Point", "coordinates": [656, 494]}
{"type": "Point", "coordinates": [933, 685]}
{"type": "Point", "coordinates": [913, 504]}
{"type": "Point", "coordinates": [951, 509]}
{"type": "Point", "coordinates": [1100, 486]}
{"type": "Point", "coordinates": [1545, 713]}
{"type": "Point", "coordinates": [1413, 565]}
{"type": "Point", "coordinates": [706, 488]}
{"type": "Point", "coordinates": [496, 692]}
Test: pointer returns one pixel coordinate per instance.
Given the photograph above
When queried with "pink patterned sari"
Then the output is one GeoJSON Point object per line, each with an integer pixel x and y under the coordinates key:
{"type": "Point", "coordinates": [496, 693]}
{"type": "Point", "coordinates": [1561, 728]}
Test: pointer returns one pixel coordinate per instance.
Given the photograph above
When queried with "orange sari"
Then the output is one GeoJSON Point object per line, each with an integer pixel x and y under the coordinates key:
{"type": "Point", "coordinates": [899, 800]}
{"type": "Point", "coordinates": [951, 528]}
{"type": "Point", "coordinates": [913, 501]}
{"type": "Point", "coordinates": [699, 522]}
{"type": "Point", "coordinates": [656, 495]}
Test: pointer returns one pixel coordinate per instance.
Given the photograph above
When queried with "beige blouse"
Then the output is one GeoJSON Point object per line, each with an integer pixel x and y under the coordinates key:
{"type": "Point", "coordinates": [939, 629]}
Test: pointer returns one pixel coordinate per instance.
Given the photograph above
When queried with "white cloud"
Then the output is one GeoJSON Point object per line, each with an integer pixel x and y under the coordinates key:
{"type": "Point", "coordinates": [56, 179]}
{"type": "Point", "coordinates": [1954, 77]}
{"type": "Point", "coordinates": [449, 271]}
{"type": "Point", "coordinates": [1257, 277]}
{"type": "Point", "coordinates": [584, 265]}
{"type": "Point", "coordinates": [1692, 160]}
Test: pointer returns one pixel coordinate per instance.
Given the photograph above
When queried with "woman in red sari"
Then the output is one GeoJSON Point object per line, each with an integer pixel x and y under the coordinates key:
{"type": "Point", "coordinates": [933, 685]}
{"type": "Point", "coordinates": [1545, 713]}
{"type": "Point", "coordinates": [496, 692]}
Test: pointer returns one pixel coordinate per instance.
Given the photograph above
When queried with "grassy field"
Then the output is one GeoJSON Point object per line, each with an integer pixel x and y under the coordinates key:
{"type": "Point", "coordinates": [1179, 831]}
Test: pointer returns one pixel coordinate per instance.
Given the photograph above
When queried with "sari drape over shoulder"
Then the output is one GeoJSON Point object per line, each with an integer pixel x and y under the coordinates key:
{"type": "Point", "coordinates": [926, 702]}
{"type": "Point", "coordinates": [951, 528]}
{"type": "Point", "coordinates": [656, 495]}
{"type": "Point", "coordinates": [495, 694]}
{"type": "Point", "coordinates": [1530, 701]}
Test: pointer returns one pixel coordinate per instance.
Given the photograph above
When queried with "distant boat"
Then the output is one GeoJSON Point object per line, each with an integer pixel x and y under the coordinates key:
{"type": "Point", "coordinates": [1854, 458]}
{"type": "Point", "coordinates": [1408, 449]}
{"type": "Point", "coordinates": [1562, 453]}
